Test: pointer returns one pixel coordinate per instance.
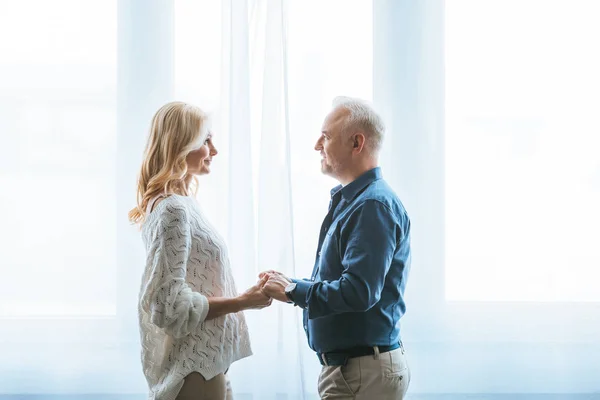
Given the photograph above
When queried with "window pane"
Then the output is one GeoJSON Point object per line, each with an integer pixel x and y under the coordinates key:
{"type": "Point", "coordinates": [57, 157]}
{"type": "Point", "coordinates": [522, 140]}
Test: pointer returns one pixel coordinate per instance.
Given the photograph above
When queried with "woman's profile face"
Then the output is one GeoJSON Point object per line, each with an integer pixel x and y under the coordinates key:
{"type": "Point", "coordinates": [199, 159]}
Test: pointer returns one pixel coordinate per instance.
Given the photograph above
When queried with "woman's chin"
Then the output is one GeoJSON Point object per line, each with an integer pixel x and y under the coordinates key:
{"type": "Point", "coordinates": [204, 171]}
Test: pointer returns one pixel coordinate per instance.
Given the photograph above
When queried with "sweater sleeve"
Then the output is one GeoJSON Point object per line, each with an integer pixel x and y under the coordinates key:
{"type": "Point", "coordinates": [166, 297]}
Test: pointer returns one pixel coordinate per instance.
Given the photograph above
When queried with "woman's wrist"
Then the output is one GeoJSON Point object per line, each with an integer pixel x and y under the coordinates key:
{"type": "Point", "coordinates": [240, 302]}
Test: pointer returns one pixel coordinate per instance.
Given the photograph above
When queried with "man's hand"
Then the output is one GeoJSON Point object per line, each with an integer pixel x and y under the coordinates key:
{"type": "Point", "coordinates": [275, 286]}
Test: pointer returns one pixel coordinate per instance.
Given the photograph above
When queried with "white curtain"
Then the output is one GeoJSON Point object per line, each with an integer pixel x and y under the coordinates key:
{"type": "Point", "coordinates": [258, 202]}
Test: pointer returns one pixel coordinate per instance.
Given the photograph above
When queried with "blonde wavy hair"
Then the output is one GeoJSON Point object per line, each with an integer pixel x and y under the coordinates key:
{"type": "Point", "coordinates": [176, 129]}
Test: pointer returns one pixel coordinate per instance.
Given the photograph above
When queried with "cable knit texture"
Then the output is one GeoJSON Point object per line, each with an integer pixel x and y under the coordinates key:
{"type": "Point", "coordinates": [186, 264]}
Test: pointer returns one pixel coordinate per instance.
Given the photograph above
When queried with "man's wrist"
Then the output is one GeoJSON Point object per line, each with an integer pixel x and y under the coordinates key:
{"type": "Point", "coordinates": [301, 293]}
{"type": "Point", "coordinates": [289, 292]}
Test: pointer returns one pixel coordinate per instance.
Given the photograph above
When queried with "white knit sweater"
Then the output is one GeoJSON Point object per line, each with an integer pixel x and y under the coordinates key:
{"type": "Point", "coordinates": [186, 263]}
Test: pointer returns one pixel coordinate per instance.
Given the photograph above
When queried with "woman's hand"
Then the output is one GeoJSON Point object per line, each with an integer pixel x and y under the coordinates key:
{"type": "Point", "coordinates": [254, 298]}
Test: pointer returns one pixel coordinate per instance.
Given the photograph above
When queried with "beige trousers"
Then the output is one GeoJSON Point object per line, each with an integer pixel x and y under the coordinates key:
{"type": "Point", "coordinates": [377, 377]}
{"type": "Point", "coordinates": [195, 387]}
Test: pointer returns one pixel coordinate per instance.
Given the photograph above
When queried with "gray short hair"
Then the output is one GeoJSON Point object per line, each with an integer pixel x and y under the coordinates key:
{"type": "Point", "coordinates": [362, 117]}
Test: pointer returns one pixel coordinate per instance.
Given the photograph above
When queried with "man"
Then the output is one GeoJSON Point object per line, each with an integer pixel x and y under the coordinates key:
{"type": "Point", "coordinates": [355, 297]}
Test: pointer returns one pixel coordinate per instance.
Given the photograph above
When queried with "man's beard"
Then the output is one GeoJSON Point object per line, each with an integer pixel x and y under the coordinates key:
{"type": "Point", "coordinates": [327, 169]}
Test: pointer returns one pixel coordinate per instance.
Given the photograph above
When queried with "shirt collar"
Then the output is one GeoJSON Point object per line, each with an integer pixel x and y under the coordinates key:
{"type": "Point", "coordinates": [353, 188]}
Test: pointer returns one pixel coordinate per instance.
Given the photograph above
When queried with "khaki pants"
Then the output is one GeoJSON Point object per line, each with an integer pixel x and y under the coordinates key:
{"type": "Point", "coordinates": [195, 387]}
{"type": "Point", "coordinates": [377, 377]}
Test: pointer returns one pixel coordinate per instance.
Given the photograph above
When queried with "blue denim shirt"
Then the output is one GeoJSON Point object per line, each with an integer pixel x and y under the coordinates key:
{"type": "Point", "coordinates": [355, 296]}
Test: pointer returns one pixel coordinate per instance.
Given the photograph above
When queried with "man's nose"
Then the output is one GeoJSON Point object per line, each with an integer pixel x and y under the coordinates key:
{"type": "Point", "coordinates": [318, 145]}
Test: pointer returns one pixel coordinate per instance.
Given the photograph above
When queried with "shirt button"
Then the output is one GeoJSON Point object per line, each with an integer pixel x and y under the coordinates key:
{"type": "Point", "coordinates": [319, 253]}
{"type": "Point", "coordinates": [312, 279]}
{"type": "Point", "coordinates": [305, 327]}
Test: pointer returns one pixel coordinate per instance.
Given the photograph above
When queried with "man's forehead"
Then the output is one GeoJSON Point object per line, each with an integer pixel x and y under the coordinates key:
{"type": "Point", "coordinates": [336, 116]}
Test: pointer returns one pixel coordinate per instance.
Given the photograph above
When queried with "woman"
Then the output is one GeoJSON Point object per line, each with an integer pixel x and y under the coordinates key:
{"type": "Point", "coordinates": [191, 322]}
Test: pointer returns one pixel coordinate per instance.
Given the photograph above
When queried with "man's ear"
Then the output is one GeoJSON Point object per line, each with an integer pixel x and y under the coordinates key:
{"type": "Point", "coordinates": [358, 141]}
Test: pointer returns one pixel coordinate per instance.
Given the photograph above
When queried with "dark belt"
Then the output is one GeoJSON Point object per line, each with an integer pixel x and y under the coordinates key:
{"type": "Point", "coordinates": [340, 357]}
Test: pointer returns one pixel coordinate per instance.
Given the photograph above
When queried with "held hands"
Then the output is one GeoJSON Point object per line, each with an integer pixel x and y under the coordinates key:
{"type": "Point", "coordinates": [271, 285]}
{"type": "Point", "coordinates": [275, 285]}
{"type": "Point", "coordinates": [254, 298]}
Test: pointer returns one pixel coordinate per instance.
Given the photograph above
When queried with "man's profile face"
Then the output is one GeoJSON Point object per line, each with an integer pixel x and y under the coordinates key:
{"type": "Point", "coordinates": [333, 145]}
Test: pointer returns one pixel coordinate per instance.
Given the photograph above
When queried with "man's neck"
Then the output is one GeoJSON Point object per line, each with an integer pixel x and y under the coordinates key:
{"type": "Point", "coordinates": [354, 174]}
